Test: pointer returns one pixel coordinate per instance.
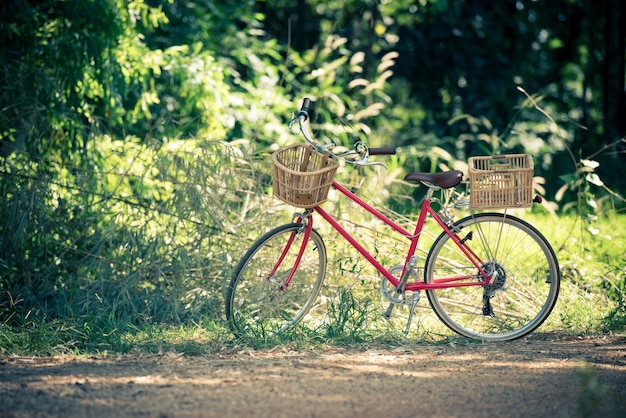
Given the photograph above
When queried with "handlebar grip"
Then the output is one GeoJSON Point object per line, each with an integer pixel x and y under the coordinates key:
{"type": "Point", "coordinates": [304, 110]}
{"type": "Point", "coordinates": [382, 151]}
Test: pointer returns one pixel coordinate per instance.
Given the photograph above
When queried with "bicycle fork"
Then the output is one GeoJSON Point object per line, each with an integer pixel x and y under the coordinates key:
{"type": "Point", "coordinates": [307, 232]}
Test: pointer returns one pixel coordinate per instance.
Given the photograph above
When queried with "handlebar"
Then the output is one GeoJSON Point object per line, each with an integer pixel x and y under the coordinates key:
{"type": "Point", "coordinates": [304, 110]}
{"type": "Point", "coordinates": [382, 151]}
{"type": "Point", "coordinates": [360, 148]}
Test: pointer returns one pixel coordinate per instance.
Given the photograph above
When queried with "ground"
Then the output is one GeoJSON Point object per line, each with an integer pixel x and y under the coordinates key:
{"type": "Point", "coordinates": [543, 376]}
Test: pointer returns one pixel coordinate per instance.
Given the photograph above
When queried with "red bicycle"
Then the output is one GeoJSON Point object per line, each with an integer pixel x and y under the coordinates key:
{"type": "Point", "coordinates": [488, 276]}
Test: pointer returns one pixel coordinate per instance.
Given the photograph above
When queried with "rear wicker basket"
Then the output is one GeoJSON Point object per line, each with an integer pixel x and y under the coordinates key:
{"type": "Point", "coordinates": [302, 176]}
{"type": "Point", "coordinates": [504, 181]}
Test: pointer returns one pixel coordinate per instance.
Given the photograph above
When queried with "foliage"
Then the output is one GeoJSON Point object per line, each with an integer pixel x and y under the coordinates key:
{"type": "Point", "coordinates": [347, 317]}
{"type": "Point", "coordinates": [133, 239]}
{"type": "Point", "coordinates": [53, 67]}
{"type": "Point", "coordinates": [591, 255]}
{"type": "Point", "coordinates": [134, 147]}
{"type": "Point", "coordinates": [592, 194]}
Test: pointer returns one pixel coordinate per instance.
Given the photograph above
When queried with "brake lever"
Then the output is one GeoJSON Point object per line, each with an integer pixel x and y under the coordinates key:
{"type": "Point", "coordinates": [365, 163]}
{"type": "Point", "coordinates": [346, 153]}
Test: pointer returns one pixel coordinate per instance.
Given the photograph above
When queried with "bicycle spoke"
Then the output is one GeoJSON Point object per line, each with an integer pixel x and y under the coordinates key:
{"type": "Point", "coordinates": [258, 304]}
{"type": "Point", "coordinates": [524, 288]}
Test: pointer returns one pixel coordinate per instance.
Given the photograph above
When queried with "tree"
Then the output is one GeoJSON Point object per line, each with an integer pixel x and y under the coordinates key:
{"type": "Point", "coordinates": [54, 58]}
{"type": "Point", "coordinates": [463, 62]}
{"type": "Point", "coordinates": [614, 89]}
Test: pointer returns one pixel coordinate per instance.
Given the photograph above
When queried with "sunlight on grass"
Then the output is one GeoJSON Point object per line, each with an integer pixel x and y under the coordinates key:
{"type": "Point", "coordinates": [591, 257]}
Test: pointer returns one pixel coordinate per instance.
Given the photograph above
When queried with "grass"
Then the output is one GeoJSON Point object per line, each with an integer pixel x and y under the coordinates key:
{"type": "Point", "coordinates": [591, 255]}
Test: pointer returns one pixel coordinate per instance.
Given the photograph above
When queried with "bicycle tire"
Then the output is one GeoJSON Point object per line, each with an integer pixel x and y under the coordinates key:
{"type": "Point", "coordinates": [525, 291]}
{"type": "Point", "coordinates": [256, 304]}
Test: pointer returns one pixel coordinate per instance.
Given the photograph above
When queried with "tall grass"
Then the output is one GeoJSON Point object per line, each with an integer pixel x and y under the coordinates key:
{"type": "Point", "coordinates": [97, 248]}
{"type": "Point", "coordinates": [132, 251]}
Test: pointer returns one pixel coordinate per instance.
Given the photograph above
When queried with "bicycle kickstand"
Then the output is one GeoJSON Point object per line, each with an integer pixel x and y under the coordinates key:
{"type": "Point", "coordinates": [416, 297]}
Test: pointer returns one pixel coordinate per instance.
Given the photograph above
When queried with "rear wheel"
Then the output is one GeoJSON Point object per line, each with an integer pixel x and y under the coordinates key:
{"type": "Point", "coordinates": [526, 284]}
{"type": "Point", "coordinates": [259, 301]}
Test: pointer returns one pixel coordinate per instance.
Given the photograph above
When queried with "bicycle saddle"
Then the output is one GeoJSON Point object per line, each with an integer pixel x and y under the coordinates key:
{"type": "Point", "coordinates": [445, 180]}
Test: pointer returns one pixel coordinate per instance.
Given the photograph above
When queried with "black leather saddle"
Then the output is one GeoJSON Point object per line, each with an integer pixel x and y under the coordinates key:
{"type": "Point", "coordinates": [445, 179]}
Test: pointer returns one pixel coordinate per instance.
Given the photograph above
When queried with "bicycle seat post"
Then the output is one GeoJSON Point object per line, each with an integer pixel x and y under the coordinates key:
{"type": "Point", "coordinates": [430, 191]}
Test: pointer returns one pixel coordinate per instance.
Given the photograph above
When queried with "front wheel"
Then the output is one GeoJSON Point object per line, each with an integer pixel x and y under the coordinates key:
{"type": "Point", "coordinates": [261, 299]}
{"type": "Point", "coordinates": [526, 284]}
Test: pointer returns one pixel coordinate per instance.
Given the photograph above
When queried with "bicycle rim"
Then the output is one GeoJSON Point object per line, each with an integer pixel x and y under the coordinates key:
{"type": "Point", "coordinates": [258, 303]}
{"type": "Point", "coordinates": [524, 292]}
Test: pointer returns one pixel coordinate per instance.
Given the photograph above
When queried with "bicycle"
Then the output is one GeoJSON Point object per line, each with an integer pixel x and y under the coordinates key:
{"type": "Point", "coordinates": [488, 276]}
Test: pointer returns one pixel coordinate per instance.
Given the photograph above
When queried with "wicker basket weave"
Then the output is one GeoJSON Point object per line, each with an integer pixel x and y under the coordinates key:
{"type": "Point", "coordinates": [503, 181]}
{"type": "Point", "coordinates": [302, 176]}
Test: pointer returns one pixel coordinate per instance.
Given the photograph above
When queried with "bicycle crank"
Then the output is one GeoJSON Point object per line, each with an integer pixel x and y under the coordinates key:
{"type": "Point", "coordinates": [391, 292]}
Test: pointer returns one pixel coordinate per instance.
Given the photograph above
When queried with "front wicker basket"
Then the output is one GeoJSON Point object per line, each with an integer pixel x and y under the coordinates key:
{"type": "Point", "coordinates": [503, 181]}
{"type": "Point", "coordinates": [302, 176]}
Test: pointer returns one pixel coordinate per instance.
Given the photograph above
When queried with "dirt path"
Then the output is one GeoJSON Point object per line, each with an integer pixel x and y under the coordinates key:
{"type": "Point", "coordinates": [529, 378]}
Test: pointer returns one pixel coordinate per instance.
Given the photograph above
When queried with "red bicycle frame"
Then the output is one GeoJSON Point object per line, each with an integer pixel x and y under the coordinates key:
{"type": "Point", "coordinates": [426, 209]}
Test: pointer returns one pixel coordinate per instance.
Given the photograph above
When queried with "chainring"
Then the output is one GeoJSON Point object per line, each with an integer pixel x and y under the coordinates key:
{"type": "Point", "coordinates": [389, 291]}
